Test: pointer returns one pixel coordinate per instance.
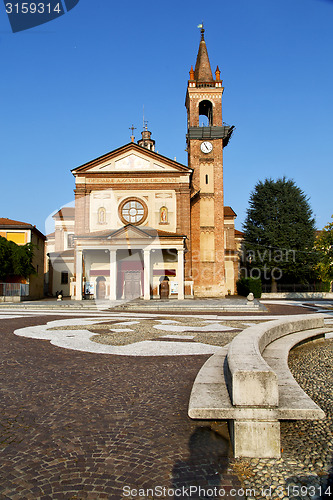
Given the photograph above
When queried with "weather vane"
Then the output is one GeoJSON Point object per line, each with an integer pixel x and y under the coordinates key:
{"type": "Point", "coordinates": [202, 30]}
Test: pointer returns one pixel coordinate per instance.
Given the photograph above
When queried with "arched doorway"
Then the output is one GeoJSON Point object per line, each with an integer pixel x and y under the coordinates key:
{"type": "Point", "coordinates": [100, 287]}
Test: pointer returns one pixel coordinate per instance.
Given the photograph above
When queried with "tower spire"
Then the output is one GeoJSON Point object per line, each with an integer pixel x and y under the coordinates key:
{"type": "Point", "coordinates": [203, 71]}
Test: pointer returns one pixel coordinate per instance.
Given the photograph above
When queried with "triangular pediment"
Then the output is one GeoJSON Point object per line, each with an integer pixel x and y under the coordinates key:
{"type": "Point", "coordinates": [131, 158]}
{"type": "Point", "coordinates": [131, 232]}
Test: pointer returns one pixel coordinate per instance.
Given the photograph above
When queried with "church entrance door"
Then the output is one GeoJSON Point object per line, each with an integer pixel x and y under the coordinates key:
{"type": "Point", "coordinates": [132, 284]}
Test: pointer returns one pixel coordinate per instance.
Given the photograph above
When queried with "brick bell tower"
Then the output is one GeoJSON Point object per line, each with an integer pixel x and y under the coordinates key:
{"type": "Point", "coordinates": [206, 137]}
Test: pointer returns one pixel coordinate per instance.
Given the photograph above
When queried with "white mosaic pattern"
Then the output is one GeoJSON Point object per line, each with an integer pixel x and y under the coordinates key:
{"type": "Point", "coordinates": [79, 340]}
{"type": "Point", "coordinates": [165, 345]}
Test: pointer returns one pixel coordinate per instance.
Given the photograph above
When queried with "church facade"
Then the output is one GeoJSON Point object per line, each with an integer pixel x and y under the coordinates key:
{"type": "Point", "coordinates": [141, 218]}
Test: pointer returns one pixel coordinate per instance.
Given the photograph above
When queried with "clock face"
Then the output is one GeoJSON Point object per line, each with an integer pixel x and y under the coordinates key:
{"type": "Point", "coordinates": [206, 147]}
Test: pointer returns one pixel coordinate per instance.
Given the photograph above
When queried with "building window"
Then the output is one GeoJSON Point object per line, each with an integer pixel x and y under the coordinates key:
{"type": "Point", "coordinates": [64, 278]}
{"type": "Point", "coordinates": [133, 211]}
{"type": "Point", "coordinates": [70, 240]}
{"type": "Point", "coordinates": [101, 215]}
{"type": "Point", "coordinates": [164, 215]}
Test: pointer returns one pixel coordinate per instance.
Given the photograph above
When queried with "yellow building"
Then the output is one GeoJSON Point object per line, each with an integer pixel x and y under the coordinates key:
{"type": "Point", "coordinates": [22, 233]}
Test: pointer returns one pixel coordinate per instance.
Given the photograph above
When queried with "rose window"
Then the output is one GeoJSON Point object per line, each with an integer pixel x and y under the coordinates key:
{"type": "Point", "coordinates": [133, 211]}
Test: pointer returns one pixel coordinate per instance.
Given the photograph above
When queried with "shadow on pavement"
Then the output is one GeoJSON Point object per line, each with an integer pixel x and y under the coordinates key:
{"type": "Point", "coordinates": [202, 475]}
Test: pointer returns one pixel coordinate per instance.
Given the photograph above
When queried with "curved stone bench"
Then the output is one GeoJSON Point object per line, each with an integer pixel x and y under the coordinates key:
{"type": "Point", "coordinates": [249, 384]}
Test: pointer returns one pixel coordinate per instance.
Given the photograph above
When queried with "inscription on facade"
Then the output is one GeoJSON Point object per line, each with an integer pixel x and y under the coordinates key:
{"type": "Point", "coordinates": [137, 180]}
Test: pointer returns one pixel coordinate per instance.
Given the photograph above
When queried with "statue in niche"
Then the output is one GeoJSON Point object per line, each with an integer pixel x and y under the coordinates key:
{"type": "Point", "coordinates": [163, 215]}
{"type": "Point", "coordinates": [101, 215]}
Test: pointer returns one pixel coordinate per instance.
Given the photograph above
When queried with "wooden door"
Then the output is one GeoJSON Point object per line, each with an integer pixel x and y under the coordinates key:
{"type": "Point", "coordinates": [132, 285]}
{"type": "Point", "coordinates": [101, 289]}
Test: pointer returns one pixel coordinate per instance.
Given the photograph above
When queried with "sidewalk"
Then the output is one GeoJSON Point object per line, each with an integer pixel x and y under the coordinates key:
{"type": "Point", "coordinates": [233, 304]}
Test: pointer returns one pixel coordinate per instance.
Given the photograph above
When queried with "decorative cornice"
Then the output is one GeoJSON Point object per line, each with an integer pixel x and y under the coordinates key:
{"type": "Point", "coordinates": [207, 195]}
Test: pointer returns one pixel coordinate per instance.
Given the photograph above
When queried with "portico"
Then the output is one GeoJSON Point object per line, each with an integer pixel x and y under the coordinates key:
{"type": "Point", "coordinates": [129, 263]}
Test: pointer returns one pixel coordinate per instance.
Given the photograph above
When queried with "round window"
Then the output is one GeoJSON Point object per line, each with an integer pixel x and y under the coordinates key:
{"type": "Point", "coordinates": [133, 211]}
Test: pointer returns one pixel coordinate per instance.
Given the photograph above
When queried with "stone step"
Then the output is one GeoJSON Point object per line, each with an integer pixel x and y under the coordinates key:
{"type": "Point", "coordinates": [190, 305]}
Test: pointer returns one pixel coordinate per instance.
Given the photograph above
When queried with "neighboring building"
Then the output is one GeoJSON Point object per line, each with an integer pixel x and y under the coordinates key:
{"type": "Point", "coordinates": [140, 217]}
{"type": "Point", "coordinates": [22, 233]}
{"type": "Point", "coordinates": [60, 252]}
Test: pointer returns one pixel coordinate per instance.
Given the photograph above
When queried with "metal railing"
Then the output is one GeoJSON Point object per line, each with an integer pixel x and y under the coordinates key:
{"type": "Point", "coordinates": [14, 289]}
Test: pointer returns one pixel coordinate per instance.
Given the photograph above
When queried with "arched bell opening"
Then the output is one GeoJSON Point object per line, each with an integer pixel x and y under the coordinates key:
{"type": "Point", "coordinates": [205, 113]}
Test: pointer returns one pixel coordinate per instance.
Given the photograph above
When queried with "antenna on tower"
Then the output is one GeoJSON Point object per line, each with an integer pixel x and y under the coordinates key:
{"type": "Point", "coordinates": [145, 122]}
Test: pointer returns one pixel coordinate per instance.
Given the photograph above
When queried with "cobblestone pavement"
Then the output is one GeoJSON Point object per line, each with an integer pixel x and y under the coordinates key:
{"type": "Point", "coordinates": [78, 425]}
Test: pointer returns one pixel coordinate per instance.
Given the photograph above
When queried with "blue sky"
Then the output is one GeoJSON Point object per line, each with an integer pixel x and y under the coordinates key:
{"type": "Point", "coordinates": [70, 90]}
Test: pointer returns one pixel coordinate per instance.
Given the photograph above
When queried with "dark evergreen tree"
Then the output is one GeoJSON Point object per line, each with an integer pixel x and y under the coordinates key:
{"type": "Point", "coordinates": [279, 233]}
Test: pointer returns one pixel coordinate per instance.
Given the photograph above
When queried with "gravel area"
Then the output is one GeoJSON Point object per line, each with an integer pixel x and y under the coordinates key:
{"type": "Point", "coordinates": [305, 470]}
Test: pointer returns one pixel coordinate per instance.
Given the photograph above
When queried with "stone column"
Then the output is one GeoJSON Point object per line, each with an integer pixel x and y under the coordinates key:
{"type": "Point", "coordinates": [113, 274]}
{"type": "Point", "coordinates": [256, 438]}
{"type": "Point", "coordinates": [78, 287]}
{"type": "Point", "coordinates": [147, 274]}
{"type": "Point", "coordinates": [180, 274]}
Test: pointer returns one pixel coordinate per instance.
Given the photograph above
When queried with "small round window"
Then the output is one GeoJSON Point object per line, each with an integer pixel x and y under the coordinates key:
{"type": "Point", "coordinates": [133, 211]}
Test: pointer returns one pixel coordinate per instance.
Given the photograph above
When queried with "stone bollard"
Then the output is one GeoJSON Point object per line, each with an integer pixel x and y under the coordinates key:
{"type": "Point", "coordinates": [250, 297]}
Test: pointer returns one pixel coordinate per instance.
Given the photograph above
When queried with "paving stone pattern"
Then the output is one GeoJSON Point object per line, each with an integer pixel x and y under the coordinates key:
{"type": "Point", "coordinates": [76, 425]}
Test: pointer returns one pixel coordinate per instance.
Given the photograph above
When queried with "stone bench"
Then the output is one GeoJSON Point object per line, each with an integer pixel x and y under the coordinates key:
{"type": "Point", "coordinates": [249, 384]}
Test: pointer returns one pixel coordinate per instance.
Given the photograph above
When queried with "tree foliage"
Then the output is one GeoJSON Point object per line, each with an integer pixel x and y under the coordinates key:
{"type": "Point", "coordinates": [279, 232]}
{"type": "Point", "coordinates": [324, 247]}
{"type": "Point", "coordinates": [15, 260]}
{"type": "Point", "coordinates": [248, 285]}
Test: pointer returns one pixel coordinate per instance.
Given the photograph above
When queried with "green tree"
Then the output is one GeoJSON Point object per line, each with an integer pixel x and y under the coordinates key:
{"type": "Point", "coordinates": [279, 233]}
{"type": "Point", "coordinates": [15, 260]}
{"type": "Point", "coordinates": [5, 259]}
{"type": "Point", "coordinates": [324, 247]}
